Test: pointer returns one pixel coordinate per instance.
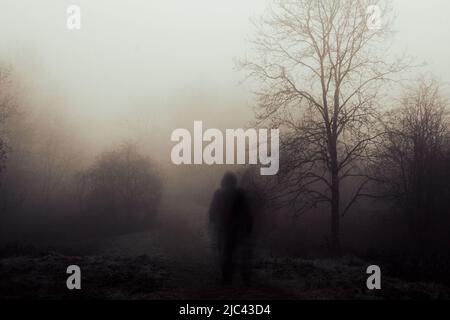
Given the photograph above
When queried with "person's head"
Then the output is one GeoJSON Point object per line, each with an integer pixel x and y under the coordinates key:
{"type": "Point", "coordinates": [229, 181]}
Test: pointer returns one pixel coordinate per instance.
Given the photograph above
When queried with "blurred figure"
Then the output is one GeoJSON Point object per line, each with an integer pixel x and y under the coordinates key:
{"type": "Point", "coordinates": [231, 223]}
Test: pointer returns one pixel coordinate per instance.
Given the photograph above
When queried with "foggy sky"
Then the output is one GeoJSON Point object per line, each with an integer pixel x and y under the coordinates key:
{"type": "Point", "coordinates": [139, 69]}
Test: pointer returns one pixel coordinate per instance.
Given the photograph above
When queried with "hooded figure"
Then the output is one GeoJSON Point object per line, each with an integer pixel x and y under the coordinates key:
{"type": "Point", "coordinates": [231, 222]}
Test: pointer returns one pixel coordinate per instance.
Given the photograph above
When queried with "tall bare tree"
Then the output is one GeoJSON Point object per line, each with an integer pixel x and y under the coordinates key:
{"type": "Point", "coordinates": [319, 67]}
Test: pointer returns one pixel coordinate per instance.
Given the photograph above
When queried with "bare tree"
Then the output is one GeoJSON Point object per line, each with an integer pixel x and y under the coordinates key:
{"type": "Point", "coordinates": [411, 157]}
{"type": "Point", "coordinates": [319, 70]}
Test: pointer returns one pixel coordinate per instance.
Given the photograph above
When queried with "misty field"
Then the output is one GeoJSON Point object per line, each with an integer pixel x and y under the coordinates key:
{"type": "Point", "coordinates": [166, 264]}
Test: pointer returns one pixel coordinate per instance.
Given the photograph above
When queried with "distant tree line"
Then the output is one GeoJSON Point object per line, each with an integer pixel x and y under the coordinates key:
{"type": "Point", "coordinates": [46, 184]}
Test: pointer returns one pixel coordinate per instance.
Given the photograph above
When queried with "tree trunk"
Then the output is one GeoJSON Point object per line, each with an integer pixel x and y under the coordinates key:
{"type": "Point", "coordinates": [335, 215]}
{"type": "Point", "coordinates": [335, 197]}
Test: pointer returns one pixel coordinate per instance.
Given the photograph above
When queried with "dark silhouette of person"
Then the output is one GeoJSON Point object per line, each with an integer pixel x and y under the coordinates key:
{"type": "Point", "coordinates": [231, 220]}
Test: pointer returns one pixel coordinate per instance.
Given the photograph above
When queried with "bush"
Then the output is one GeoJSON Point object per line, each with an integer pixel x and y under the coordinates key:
{"type": "Point", "coordinates": [121, 191]}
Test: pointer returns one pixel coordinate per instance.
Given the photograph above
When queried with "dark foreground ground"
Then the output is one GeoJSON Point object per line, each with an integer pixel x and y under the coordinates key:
{"type": "Point", "coordinates": [175, 261]}
{"type": "Point", "coordinates": [161, 269]}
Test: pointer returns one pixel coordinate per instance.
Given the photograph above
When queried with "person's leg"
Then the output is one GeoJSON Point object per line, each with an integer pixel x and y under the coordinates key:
{"type": "Point", "coordinates": [245, 257]}
{"type": "Point", "coordinates": [228, 261]}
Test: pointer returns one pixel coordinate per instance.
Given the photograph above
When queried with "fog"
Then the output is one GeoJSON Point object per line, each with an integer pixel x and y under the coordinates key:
{"type": "Point", "coordinates": [144, 68]}
{"type": "Point", "coordinates": [136, 71]}
{"type": "Point", "coordinates": [136, 65]}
